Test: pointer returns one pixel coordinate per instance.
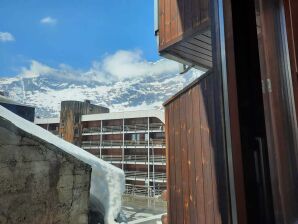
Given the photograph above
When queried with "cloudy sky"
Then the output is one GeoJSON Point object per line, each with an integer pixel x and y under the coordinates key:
{"type": "Point", "coordinates": [81, 36]}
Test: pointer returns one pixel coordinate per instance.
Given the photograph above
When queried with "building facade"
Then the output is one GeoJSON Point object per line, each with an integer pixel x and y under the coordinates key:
{"type": "Point", "coordinates": [133, 141]}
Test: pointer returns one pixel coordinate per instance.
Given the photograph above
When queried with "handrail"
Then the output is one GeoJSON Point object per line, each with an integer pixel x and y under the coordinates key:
{"type": "Point", "coordinates": [127, 128]}
{"type": "Point", "coordinates": [106, 143]}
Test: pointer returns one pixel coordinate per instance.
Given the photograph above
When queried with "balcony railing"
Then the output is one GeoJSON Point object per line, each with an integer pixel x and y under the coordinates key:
{"type": "Point", "coordinates": [132, 189]}
{"type": "Point", "coordinates": [127, 128]}
{"type": "Point", "coordinates": [138, 175]}
{"type": "Point", "coordinates": [125, 143]}
{"type": "Point", "coordinates": [137, 159]}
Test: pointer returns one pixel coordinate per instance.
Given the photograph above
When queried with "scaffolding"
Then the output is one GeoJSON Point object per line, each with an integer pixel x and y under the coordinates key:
{"type": "Point", "coordinates": [144, 178]}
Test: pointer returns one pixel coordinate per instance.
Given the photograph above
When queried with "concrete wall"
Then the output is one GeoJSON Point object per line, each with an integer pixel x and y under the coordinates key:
{"type": "Point", "coordinates": [39, 183]}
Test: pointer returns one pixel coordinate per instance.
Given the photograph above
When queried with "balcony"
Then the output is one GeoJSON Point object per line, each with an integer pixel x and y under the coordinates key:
{"type": "Point", "coordinates": [184, 33]}
{"type": "Point", "coordinates": [135, 159]}
{"type": "Point", "coordinates": [136, 128]}
{"type": "Point", "coordinates": [155, 143]}
{"type": "Point", "coordinates": [156, 177]}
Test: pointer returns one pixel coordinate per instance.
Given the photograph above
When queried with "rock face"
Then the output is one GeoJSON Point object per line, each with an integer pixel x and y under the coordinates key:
{"type": "Point", "coordinates": [39, 183]}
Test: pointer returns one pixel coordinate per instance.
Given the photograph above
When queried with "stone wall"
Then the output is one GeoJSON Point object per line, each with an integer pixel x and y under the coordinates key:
{"type": "Point", "coordinates": [39, 183]}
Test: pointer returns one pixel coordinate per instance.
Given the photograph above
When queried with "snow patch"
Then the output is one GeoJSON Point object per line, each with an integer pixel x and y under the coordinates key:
{"type": "Point", "coordinates": [107, 181]}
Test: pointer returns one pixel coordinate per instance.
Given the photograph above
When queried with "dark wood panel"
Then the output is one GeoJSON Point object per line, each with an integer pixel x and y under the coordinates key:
{"type": "Point", "coordinates": [178, 164]}
{"type": "Point", "coordinates": [172, 164]}
{"type": "Point", "coordinates": [167, 22]}
{"type": "Point", "coordinates": [207, 169]}
{"type": "Point", "coordinates": [184, 158]}
{"type": "Point", "coordinates": [193, 132]}
{"type": "Point", "coordinates": [196, 14]}
{"type": "Point", "coordinates": [291, 9]}
{"type": "Point", "coordinates": [179, 19]}
{"type": "Point", "coordinates": [204, 10]}
{"type": "Point", "coordinates": [191, 157]}
{"type": "Point", "coordinates": [234, 114]}
{"type": "Point", "coordinates": [187, 15]}
{"type": "Point", "coordinates": [194, 53]}
{"type": "Point", "coordinates": [199, 182]}
{"type": "Point", "coordinates": [161, 15]}
{"type": "Point", "coordinates": [180, 16]}
{"type": "Point", "coordinates": [279, 136]}
{"type": "Point", "coordinates": [197, 48]}
{"type": "Point", "coordinates": [174, 19]}
{"type": "Point", "coordinates": [192, 58]}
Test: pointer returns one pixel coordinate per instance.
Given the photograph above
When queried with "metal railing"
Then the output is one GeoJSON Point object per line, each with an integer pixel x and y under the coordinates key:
{"type": "Point", "coordinates": [132, 189]}
{"type": "Point", "coordinates": [127, 128]}
{"type": "Point", "coordinates": [135, 159]}
{"type": "Point", "coordinates": [157, 176]}
{"type": "Point", "coordinates": [126, 143]}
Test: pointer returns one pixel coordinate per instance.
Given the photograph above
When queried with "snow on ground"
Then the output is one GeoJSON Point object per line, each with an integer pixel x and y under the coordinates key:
{"type": "Point", "coordinates": [143, 210]}
{"type": "Point", "coordinates": [107, 181]}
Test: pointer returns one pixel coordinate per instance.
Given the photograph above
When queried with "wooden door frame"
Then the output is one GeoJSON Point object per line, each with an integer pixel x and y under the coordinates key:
{"type": "Point", "coordinates": [224, 66]}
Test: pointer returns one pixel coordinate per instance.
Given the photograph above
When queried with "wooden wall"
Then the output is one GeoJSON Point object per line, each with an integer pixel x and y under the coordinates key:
{"type": "Point", "coordinates": [181, 18]}
{"type": "Point", "coordinates": [196, 158]}
{"type": "Point", "coordinates": [291, 7]}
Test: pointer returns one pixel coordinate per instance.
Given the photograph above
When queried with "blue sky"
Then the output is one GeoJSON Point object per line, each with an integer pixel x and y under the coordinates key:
{"type": "Point", "coordinates": [72, 32]}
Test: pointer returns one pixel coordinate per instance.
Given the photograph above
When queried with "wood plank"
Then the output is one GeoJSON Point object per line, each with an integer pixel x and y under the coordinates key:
{"type": "Point", "coordinates": [208, 33]}
{"type": "Point", "coordinates": [193, 52]}
{"type": "Point", "coordinates": [169, 163]}
{"type": "Point", "coordinates": [200, 43]}
{"type": "Point", "coordinates": [191, 157]}
{"type": "Point", "coordinates": [293, 9]}
{"type": "Point", "coordinates": [292, 30]}
{"type": "Point", "coordinates": [172, 167]}
{"type": "Point", "coordinates": [204, 10]}
{"type": "Point", "coordinates": [167, 7]}
{"type": "Point", "coordinates": [196, 13]}
{"type": "Point", "coordinates": [187, 16]}
{"type": "Point", "coordinates": [200, 199]}
{"type": "Point", "coordinates": [180, 5]}
{"type": "Point", "coordinates": [161, 25]}
{"type": "Point", "coordinates": [184, 158]}
{"type": "Point", "coordinates": [204, 38]}
{"type": "Point", "coordinates": [234, 114]}
{"type": "Point", "coordinates": [192, 58]}
{"type": "Point", "coordinates": [178, 163]}
{"type": "Point", "coordinates": [206, 157]}
{"type": "Point", "coordinates": [196, 48]}
{"type": "Point", "coordinates": [174, 19]}
{"type": "Point", "coordinates": [285, 202]}
{"type": "Point", "coordinates": [211, 83]}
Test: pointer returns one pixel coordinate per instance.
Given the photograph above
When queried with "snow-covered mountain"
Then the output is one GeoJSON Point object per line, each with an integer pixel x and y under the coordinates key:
{"type": "Point", "coordinates": [46, 91]}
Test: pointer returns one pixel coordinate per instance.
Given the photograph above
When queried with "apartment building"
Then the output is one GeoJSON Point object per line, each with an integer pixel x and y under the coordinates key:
{"type": "Point", "coordinates": [133, 141]}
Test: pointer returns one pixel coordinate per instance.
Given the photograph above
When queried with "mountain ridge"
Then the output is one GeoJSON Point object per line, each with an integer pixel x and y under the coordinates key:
{"type": "Point", "coordinates": [45, 92]}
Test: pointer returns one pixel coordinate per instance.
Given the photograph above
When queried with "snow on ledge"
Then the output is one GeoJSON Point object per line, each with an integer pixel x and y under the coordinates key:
{"type": "Point", "coordinates": [107, 181]}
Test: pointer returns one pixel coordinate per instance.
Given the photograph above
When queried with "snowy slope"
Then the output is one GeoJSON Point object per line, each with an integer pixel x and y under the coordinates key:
{"type": "Point", "coordinates": [46, 91]}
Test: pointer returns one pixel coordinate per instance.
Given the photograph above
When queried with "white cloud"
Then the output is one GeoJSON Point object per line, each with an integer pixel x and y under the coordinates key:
{"type": "Point", "coordinates": [48, 20]}
{"type": "Point", "coordinates": [116, 67]}
{"type": "Point", "coordinates": [130, 64]}
{"type": "Point", "coordinates": [36, 69]}
{"type": "Point", "coordinates": [5, 37]}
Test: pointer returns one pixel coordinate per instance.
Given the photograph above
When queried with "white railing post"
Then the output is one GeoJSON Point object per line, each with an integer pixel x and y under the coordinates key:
{"type": "Point", "coordinates": [148, 155]}
{"type": "Point", "coordinates": [123, 145]}
{"type": "Point", "coordinates": [100, 139]}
